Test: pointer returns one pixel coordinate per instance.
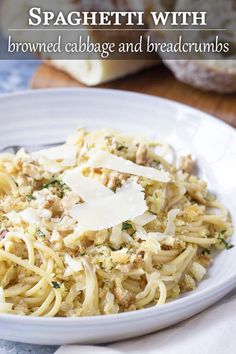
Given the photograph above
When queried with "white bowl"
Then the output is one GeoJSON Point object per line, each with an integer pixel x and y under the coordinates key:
{"type": "Point", "coordinates": [48, 116]}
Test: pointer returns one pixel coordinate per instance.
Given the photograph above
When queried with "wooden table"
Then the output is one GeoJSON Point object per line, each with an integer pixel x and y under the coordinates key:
{"type": "Point", "coordinates": [157, 81]}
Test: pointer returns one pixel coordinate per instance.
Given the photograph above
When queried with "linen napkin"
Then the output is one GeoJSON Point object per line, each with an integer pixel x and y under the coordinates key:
{"type": "Point", "coordinates": [210, 332]}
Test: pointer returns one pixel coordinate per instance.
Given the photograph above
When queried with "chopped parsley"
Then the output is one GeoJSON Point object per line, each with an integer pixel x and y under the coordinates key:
{"type": "Point", "coordinates": [126, 226]}
{"type": "Point", "coordinates": [156, 163]}
{"type": "Point", "coordinates": [206, 251]}
{"type": "Point", "coordinates": [121, 147]}
{"type": "Point", "coordinates": [55, 285]}
{"type": "Point", "coordinates": [227, 245]}
{"type": "Point", "coordinates": [30, 197]}
{"type": "Point", "coordinates": [16, 182]}
{"type": "Point", "coordinates": [58, 187]}
{"type": "Point", "coordinates": [40, 234]}
{"type": "Point", "coordinates": [51, 183]}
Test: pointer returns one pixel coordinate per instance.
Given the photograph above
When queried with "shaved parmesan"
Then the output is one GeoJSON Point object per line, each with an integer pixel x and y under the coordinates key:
{"type": "Point", "coordinates": [13, 217]}
{"type": "Point", "coordinates": [74, 265]}
{"type": "Point", "coordinates": [116, 238]}
{"type": "Point", "coordinates": [50, 166]}
{"type": "Point", "coordinates": [162, 238]}
{"type": "Point", "coordinates": [126, 204]}
{"type": "Point", "coordinates": [87, 188]}
{"type": "Point", "coordinates": [30, 216]}
{"type": "Point", "coordinates": [144, 219]}
{"type": "Point", "coordinates": [63, 152]}
{"type": "Point", "coordinates": [103, 159]}
{"type": "Point", "coordinates": [55, 159]}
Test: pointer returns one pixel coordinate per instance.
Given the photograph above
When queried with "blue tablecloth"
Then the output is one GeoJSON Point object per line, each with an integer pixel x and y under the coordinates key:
{"type": "Point", "coordinates": [15, 76]}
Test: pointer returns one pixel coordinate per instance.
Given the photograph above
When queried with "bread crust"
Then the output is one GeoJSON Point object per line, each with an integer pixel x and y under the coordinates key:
{"type": "Point", "coordinates": [200, 74]}
{"type": "Point", "coordinates": [217, 75]}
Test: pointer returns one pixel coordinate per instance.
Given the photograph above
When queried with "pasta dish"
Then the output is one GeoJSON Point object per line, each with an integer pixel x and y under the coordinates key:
{"type": "Point", "coordinates": [103, 224]}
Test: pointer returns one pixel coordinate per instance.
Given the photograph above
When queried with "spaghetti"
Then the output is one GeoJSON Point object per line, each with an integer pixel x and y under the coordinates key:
{"type": "Point", "coordinates": [102, 225]}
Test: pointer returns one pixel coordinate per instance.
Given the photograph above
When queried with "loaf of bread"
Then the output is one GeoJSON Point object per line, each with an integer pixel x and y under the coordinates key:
{"type": "Point", "coordinates": [95, 72]}
{"type": "Point", "coordinates": [208, 75]}
{"type": "Point", "coordinates": [218, 74]}
{"type": "Point", "coordinates": [89, 70]}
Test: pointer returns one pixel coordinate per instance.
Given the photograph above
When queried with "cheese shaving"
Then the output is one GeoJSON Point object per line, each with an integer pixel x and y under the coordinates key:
{"type": "Point", "coordinates": [64, 152]}
{"type": "Point", "coordinates": [126, 204]}
{"type": "Point", "coordinates": [103, 159]}
{"type": "Point", "coordinates": [144, 219]}
{"type": "Point", "coordinates": [30, 216]}
{"type": "Point", "coordinates": [87, 188]}
{"type": "Point", "coordinates": [74, 265]}
{"type": "Point", "coordinates": [55, 159]}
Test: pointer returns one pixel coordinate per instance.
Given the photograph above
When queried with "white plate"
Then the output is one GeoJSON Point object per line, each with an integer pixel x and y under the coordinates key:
{"type": "Point", "coordinates": [48, 116]}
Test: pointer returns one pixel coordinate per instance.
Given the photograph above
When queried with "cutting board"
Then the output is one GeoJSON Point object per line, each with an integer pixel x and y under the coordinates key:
{"type": "Point", "coordinates": [157, 81]}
